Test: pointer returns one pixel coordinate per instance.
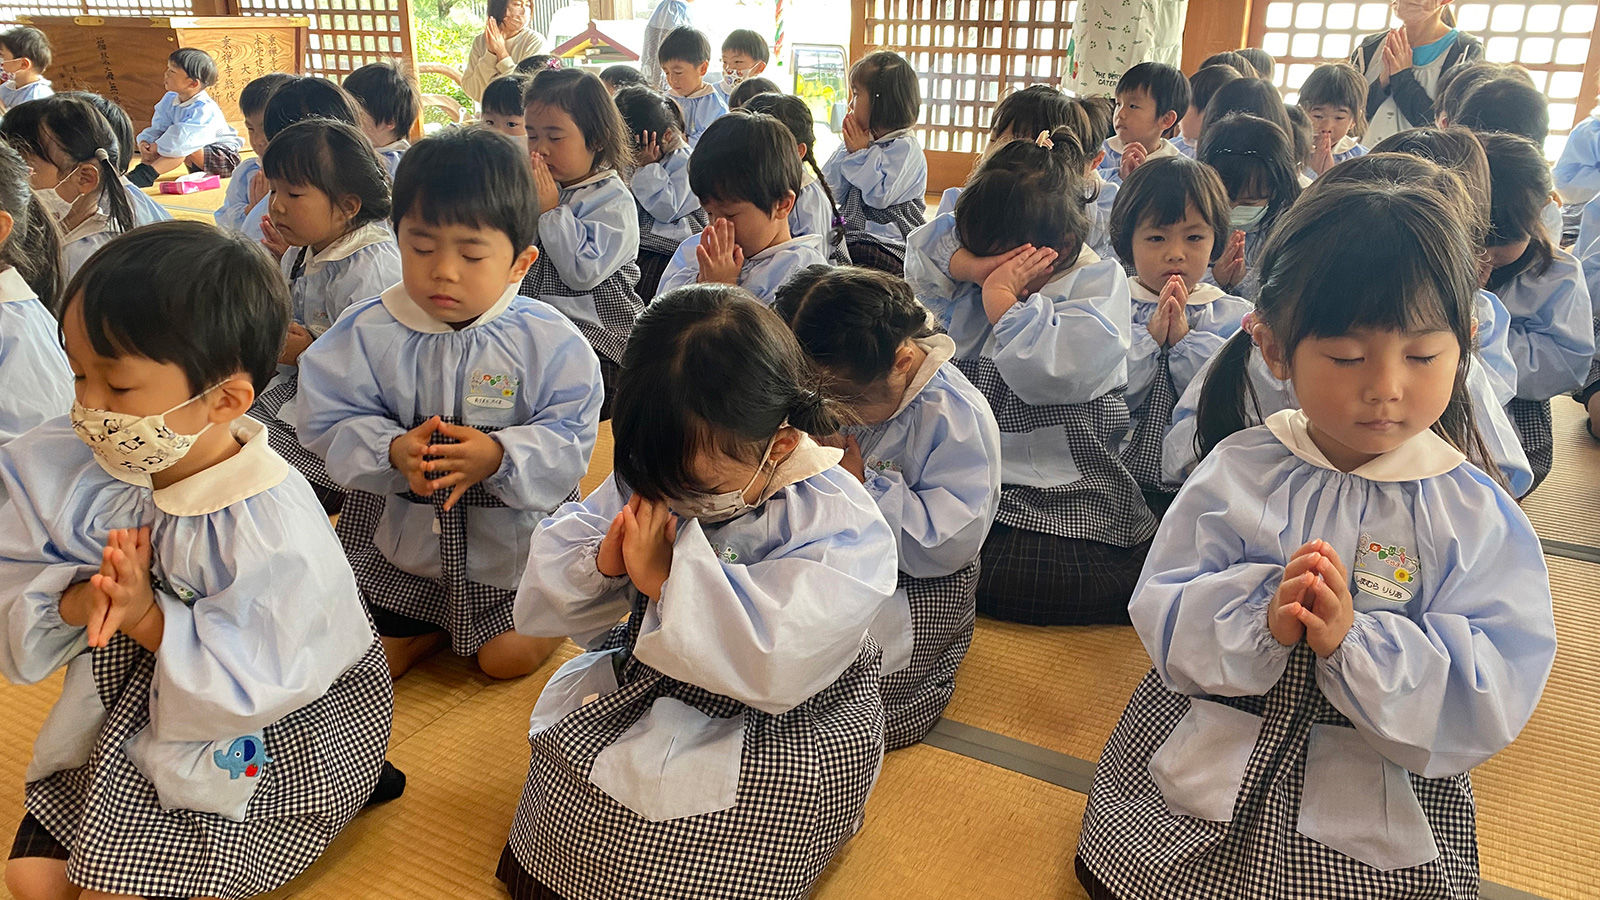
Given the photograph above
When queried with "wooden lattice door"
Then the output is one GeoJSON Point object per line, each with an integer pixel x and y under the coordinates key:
{"type": "Point", "coordinates": [969, 53]}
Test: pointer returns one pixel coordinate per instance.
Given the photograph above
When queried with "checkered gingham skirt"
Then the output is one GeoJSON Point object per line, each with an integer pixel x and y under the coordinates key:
{"type": "Point", "coordinates": [1142, 455]}
{"type": "Point", "coordinates": [1592, 383]}
{"type": "Point", "coordinates": [943, 611]}
{"type": "Point", "coordinates": [653, 243]}
{"type": "Point", "coordinates": [804, 778]}
{"type": "Point", "coordinates": [1537, 433]}
{"type": "Point", "coordinates": [1137, 850]}
{"type": "Point", "coordinates": [282, 436]}
{"type": "Point", "coordinates": [865, 249]}
{"type": "Point", "coordinates": [471, 612]}
{"type": "Point", "coordinates": [615, 303]}
{"type": "Point", "coordinates": [1105, 503]}
{"type": "Point", "coordinates": [325, 762]}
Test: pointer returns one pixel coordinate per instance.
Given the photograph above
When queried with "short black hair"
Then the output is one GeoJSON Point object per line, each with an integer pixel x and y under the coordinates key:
{"type": "Point", "coordinates": [496, 9]}
{"type": "Point", "coordinates": [1161, 192]}
{"type": "Point", "coordinates": [684, 44]}
{"type": "Point", "coordinates": [1338, 85]}
{"type": "Point", "coordinates": [1165, 84]}
{"type": "Point", "coordinates": [1248, 95]}
{"type": "Point", "coordinates": [1300, 133]}
{"type": "Point", "coordinates": [475, 177]}
{"type": "Point", "coordinates": [537, 63]}
{"type": "Point", "coordinates": [749, 88]}
{"type": "Point", "coordinates": [27, 42]}
{"type": "Point", "coordinates": [196, 64]}
{"type": "Point", "coordinates": [621, 75]}
{"type": "Point", "coordinates": [1251, 153]}
{"type": "Point", "coordinates": [746, 156]}
{"type": "Point", "coordinates": [750, 43]}
{"type": "Point", "coordinates": [646, 109]}
{"type": "Point", "coordinates": [1520, 186]}
{"type": "Point", "coordinates": [387, 94]}
{"type": "Point", "coordinates": [851, 320]}
{"type": "Point", "coordinates": [1205, 83]}
{"type": "Point", "coordinates": [1457, 150]}
{"type": "Point", "coordinates": [503, 96]}
{"type": "Point", "coordinates": [335, 158]}
{"type": "Point", "coordinates": [1509, 105]}
{"type": "Point", "coordinates": [153, 293]}
{"type": "Point", "coordinates": [1035, 108]}
{"type": "Point", "coordinates": [254, 97]}
{"type": "Point", "coordinates": [581, 96]}
{"type": "Point", "coordinates": [709, 366]}
{"type": "Point", "coordinates": [1260, 60]}
{"type": "Point", "coordinates": [1234, 60]}
{"type": "Point", "coordinates": [307, 97]}
{"type": "Point", "coordinates": [1101, 110]}
{"type": "Point", "coordinates": [1456, 82]}
{"type": "Point", "coordinates": [1027, 194]}
{"type": "Point", "coordinates": [888, 79]}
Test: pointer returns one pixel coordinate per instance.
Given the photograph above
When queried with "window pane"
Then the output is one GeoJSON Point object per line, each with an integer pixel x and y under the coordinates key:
{"type": "Point", "coordinates": [1307, 15]}
{"type": "Point", "coordinates": [1501, 49]}
{"type": "Point", "coordinates": [1341, 16]}
{"type": "Point", "coordinates": [1276, 43]}
{"type": "Point", "coordinates": [1474, 17]}
{"type": "Point", "coordinates": [1572, 51]}
{"type": "Point", "coordinates": [1336, 46]}
{"type": "Point", "coordinates": [1305, 45]}
{"type": "Point", "coordinates": [1506, 17]}
{"type": "Point", "coordinates": [1279, 15]}
{"type": "Point", "coordinates": [1373, 17]}
{"type": "Point", "coordinates": [1538, 50]}
{"type": "Point", "coordinates": [1578, 20]}
{"type": "Point", "coordinates": [1543, 18]}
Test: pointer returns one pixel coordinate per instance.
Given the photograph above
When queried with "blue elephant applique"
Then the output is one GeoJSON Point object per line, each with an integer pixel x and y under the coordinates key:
{"type": "Point", "coordinates": [245, 756]}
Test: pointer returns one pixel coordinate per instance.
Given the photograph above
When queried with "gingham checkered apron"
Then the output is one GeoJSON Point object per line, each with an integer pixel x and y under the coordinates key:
{"type": "Point", "coordinates": [282, 437]}
{"type": "Point", "coordinates": [655, 243]}
{"type": "Point", "coordinates": [1142, 455]}
{"type": "Point", "coordinates": [1141, 851]}
{"type": "Point", "coordinates": [325, 761]}
{"type": "Point", "coordinates": [1537, 433]}
{"type": "Point", "coordinates": [804, 778]}
{"type": "Point", "coordinates": [943, 612]}
{"type": "Point", "coordinates": [907, 216]}
{"type": "Point", "coordinates": [615, 303]}
{"type": "Point", "coordinates": [1104, 504]}
{"type": "Point", "coordinates": [471, 612]}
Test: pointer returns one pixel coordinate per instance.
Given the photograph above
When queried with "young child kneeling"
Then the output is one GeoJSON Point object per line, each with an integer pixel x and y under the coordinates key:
{"type": "Point", "coordinates": [721, 742]}
{"type": "Point", "coordinates": [456, 413]}
{"type": "Point", "coordinates": [226, 706]}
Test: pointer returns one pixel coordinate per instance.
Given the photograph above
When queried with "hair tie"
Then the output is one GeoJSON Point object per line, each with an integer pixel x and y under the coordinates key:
{"type": "Point", "coordinates": [1248, 325]}
{"type": "Point", "coordinates": [553, 63]}
{"type": "Point", "coordinates": [101, 154]}
{"type": "Point", "coordinates": [1044, 141]}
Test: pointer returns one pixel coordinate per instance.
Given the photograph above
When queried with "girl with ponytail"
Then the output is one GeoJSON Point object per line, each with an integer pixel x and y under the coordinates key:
{"type": "Point", "coordinates": [1042, 326]}
{"type": "Point", "coordinates": [816, 211]}
{"type": "Point", "coordinates": [925, 444]}
{"type": "Point", "coordinates": [741, 695]}
{"type": "Point", "coordinates": [1344, 613]}
{"type": "Point", "coordinates": [32, 365]}
{"type": "Point", "coordinates": [73, 152]}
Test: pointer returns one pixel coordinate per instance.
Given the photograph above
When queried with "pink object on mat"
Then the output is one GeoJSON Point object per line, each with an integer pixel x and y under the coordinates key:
{"type": "Point", "coordinates": [189, 184]}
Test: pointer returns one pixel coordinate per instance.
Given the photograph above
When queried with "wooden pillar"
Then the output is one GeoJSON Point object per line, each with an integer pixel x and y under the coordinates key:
{"type": "Point", "coordinates": [1216, 25]}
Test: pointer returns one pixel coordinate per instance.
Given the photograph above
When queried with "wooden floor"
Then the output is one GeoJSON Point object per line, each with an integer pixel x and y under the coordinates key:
{"type": "Point", "coordinates": [991, 808]}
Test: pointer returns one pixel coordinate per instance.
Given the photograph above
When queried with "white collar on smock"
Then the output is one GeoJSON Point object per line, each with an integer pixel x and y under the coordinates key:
{"type": "Point", "coordinates": [96, 223]}
{"type": "Point", "coordinates": [1162, 148]}
{"type": "Point", "coordinates": [255, 469]}
{"type": "Point", "coordinates": [1425, 455]}
{"type": "Point", "coordinates": [596, 178]}
{"type": "Point", "coordinates": [410, 313]}
{"type": "Point", "coordinates": [699, 92]}
{"type": "Point", "coordinates": [1199, 295]}
{"type": "Point", "coordinates": [346, 246]}
{"type": "Point", "coordinates": [13, 288]}
{"type": "Point", "coordinates": [940, 349]}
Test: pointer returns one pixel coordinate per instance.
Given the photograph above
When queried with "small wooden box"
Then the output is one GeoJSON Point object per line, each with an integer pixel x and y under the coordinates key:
{"type": "Point", "coordinates": [124, 58]}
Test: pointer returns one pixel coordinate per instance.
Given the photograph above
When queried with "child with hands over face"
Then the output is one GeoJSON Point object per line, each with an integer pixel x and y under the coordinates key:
{"type": "Point", "coordinates": [750, 567]}
{"type": "Point", "coordinates": [925, 444]}
{"type": "Point", "coordinates": [747, 175]}
{"type": "Point", "coordinates": [669, 211]}
{"type": "Point", "coordinates": [219, 666]}
{"type": "Point", "coordinates": [1042, 328]}
{"type": "Point", "coordinates": [879, 174]}
{"type": "Point", "coordinates": [588, 236]}
{"type": "Point", "coordinates": [1344, 613]}
{"type": "Point", "coordinates": [455, 412]}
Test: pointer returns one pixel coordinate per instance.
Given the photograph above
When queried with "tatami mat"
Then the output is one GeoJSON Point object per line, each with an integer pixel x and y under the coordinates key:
{"type": "Point", "coordinates": [943, 825]}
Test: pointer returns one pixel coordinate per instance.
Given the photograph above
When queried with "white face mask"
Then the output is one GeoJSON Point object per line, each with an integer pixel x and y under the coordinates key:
{"type": "Point", "coordinates": [1246, 216]}
{"type": "Point", "coordinates": [52, 202]}
{"type": "Point", "coordinates": [140, 445]}
{"type": "Point", "coordinates": [732, 77]}
{"type": "Point", "coordinates": [711, 509]}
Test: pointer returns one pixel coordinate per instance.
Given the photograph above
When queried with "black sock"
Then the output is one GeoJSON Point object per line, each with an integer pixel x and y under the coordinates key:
{"type": "Point", "coordinates": [143, 175]}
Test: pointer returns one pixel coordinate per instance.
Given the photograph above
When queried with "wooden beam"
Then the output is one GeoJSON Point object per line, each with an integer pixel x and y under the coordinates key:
{"type": "Point", "coordinates": [1213, 26]}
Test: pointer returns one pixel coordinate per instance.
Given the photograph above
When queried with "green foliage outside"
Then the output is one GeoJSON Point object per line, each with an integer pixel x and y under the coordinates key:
{"type": "Point", "coordinates": [442, 38]}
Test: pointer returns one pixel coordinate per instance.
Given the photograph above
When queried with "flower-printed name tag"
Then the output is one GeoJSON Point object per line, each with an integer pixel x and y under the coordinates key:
{"type": "Point", "coordinates": [1385, 571]}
